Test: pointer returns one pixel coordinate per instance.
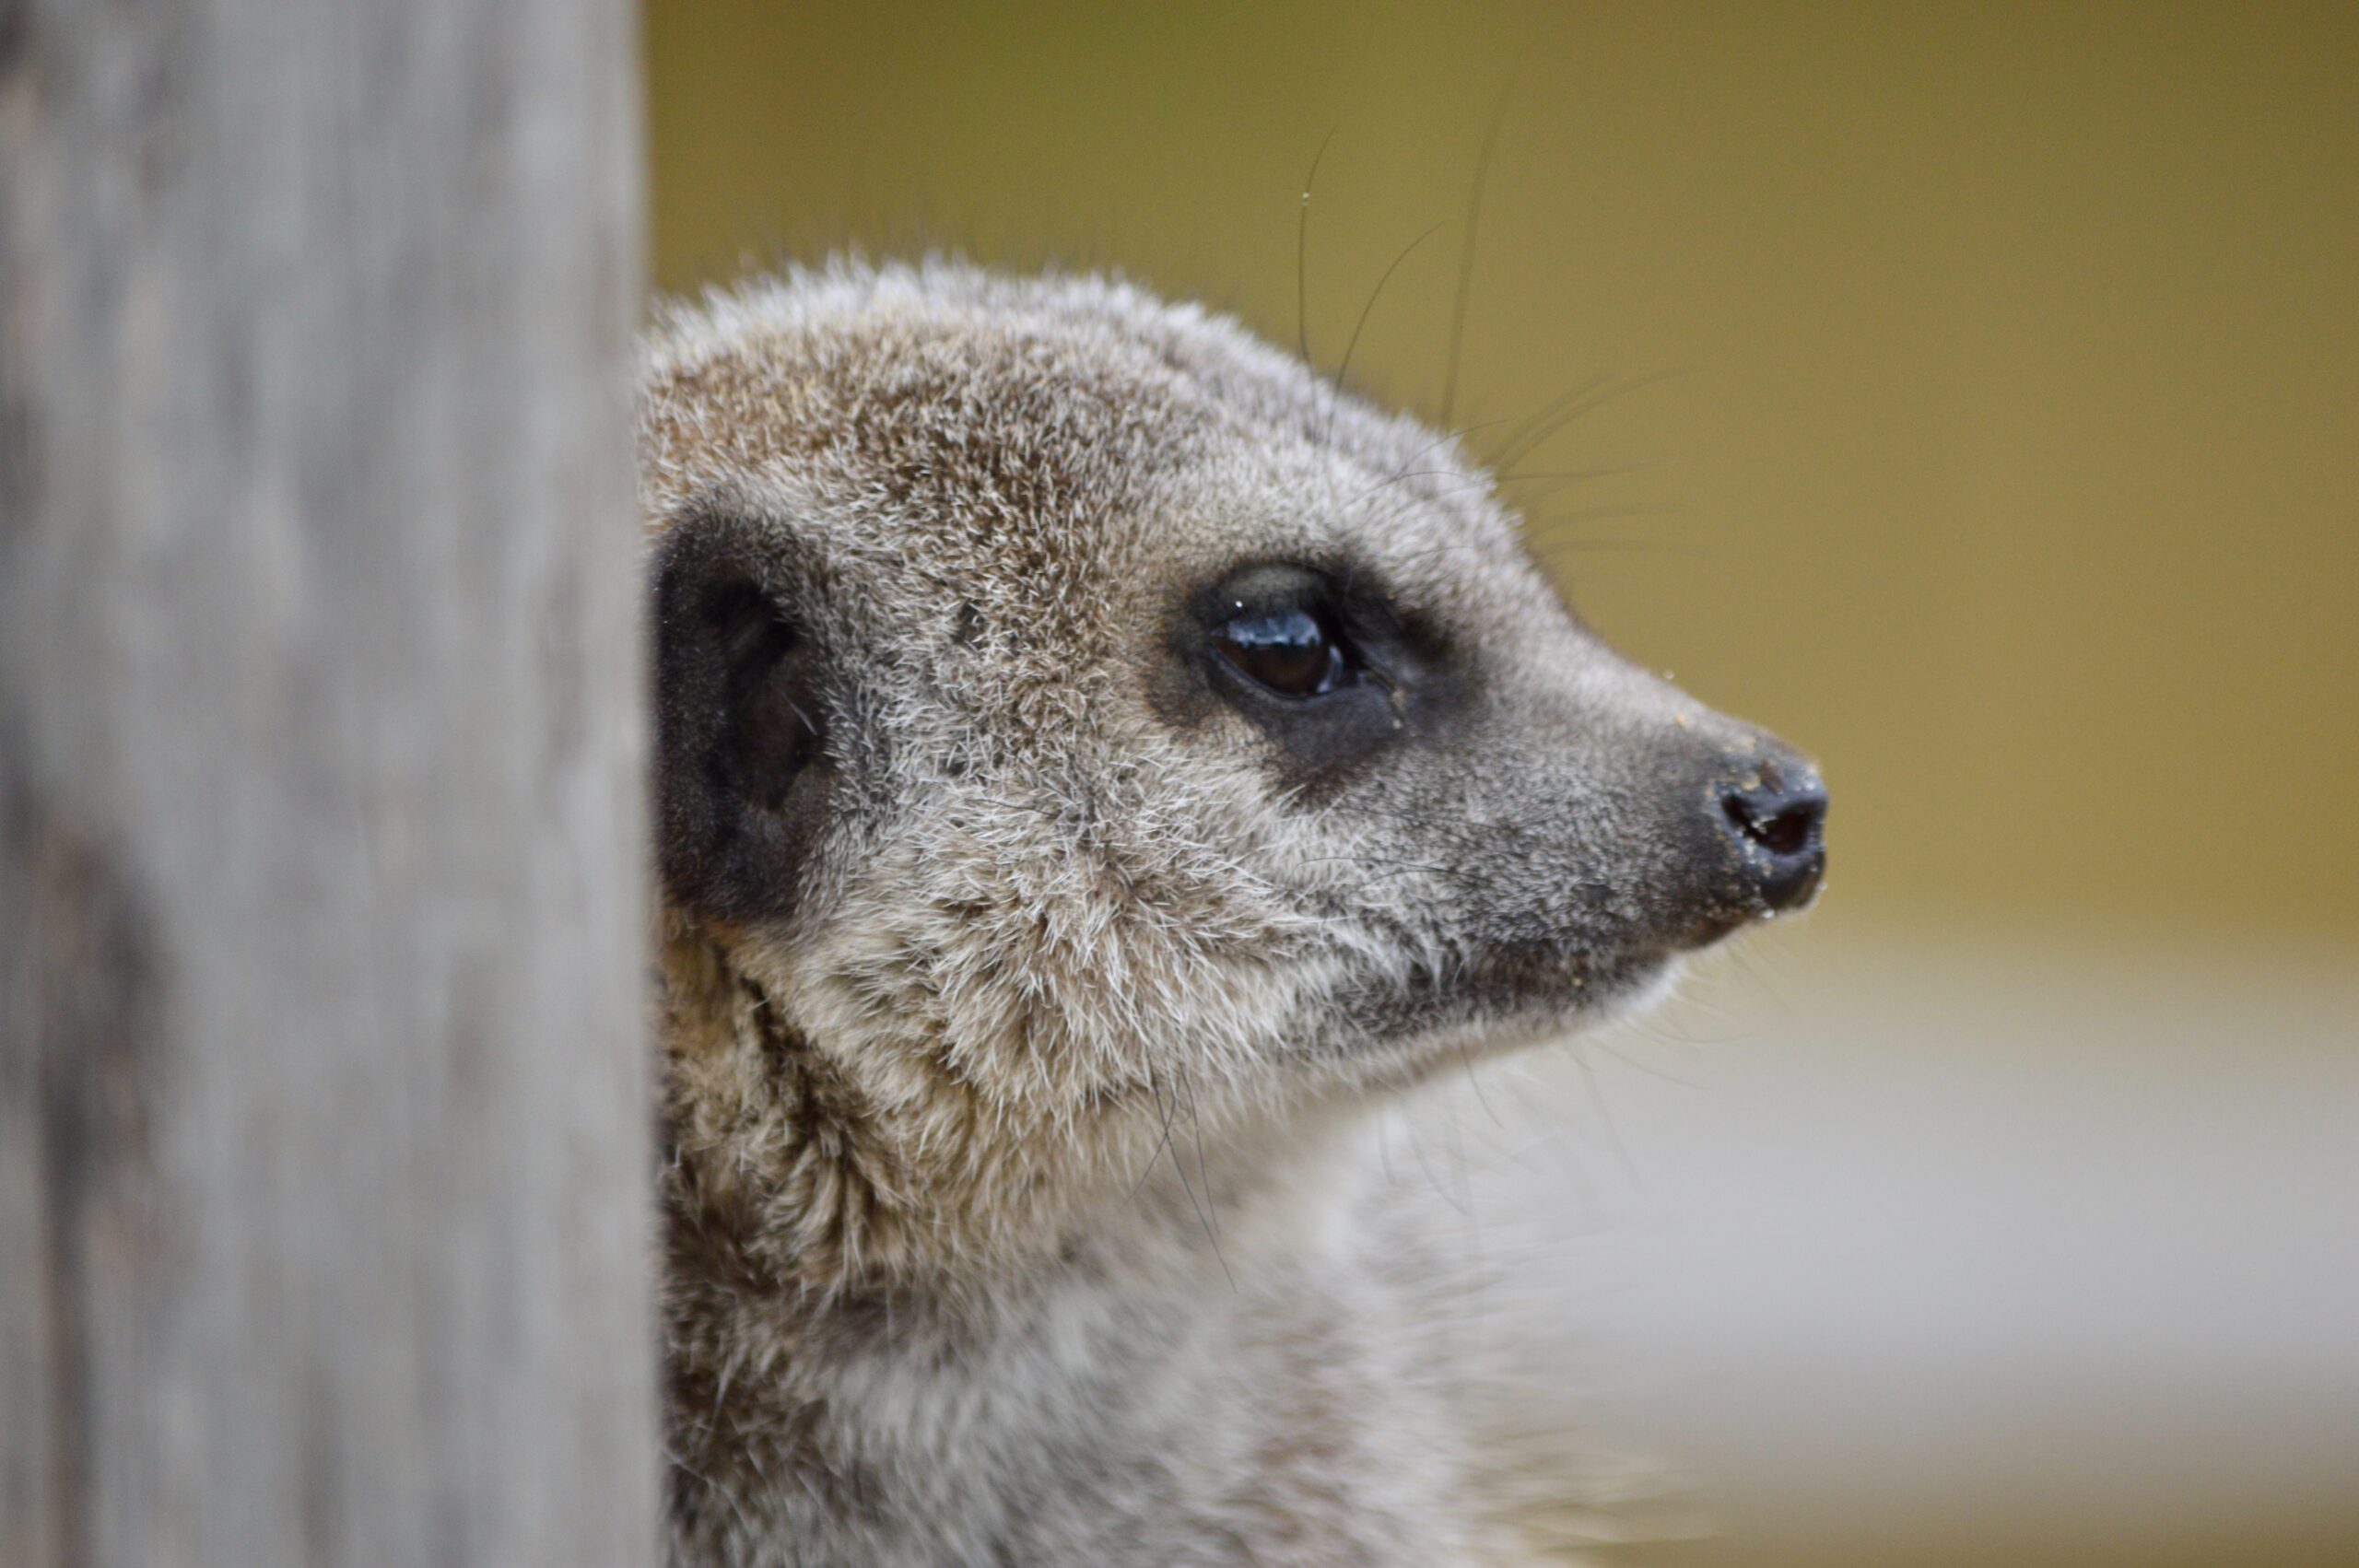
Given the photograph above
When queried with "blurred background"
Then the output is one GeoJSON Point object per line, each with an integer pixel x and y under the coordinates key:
{"type": "Point", "coordinates": [1978, 394]}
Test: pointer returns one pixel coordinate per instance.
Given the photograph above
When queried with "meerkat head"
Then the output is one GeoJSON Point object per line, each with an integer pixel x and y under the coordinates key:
{"type": "Point", "coordinates": [1069, 705]}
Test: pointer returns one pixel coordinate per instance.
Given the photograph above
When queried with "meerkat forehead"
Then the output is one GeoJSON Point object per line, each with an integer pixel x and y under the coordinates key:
{"type": "Point", "coordinates": [1045, 449]}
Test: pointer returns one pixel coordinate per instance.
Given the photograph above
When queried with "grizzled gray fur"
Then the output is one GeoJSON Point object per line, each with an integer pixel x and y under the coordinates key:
{"type": "Point", "coordinates": [1097, 763]}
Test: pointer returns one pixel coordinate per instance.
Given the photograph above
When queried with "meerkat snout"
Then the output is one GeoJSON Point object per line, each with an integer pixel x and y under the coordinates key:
{"type": "Point", "coordinates": [1096, 758]}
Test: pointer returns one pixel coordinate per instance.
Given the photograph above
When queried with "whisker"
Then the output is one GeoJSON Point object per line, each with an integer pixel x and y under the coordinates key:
{"type": "Point", "coordinates": [1444, 438]}
{"type": "Point", "coordinates": [1196, 1128]}
{"type": "Point", "coordinates": [1336, 396]}
{"type": "Point", "coordinates": [1549, 529]}
{"type": "Point", "coordinates": [1516, 451]}
{"type": "Point", "coordinates": [1417, 1148]}
{"type": "Point", "coordinates": [1602, 471]}
{"type": "Point", "coordinates": [1139, 1186]}
{"type": "Point", "coordinates": [1466, 253]}
{"type": "Point", "coordinates": [1512, 447]}
{"type": "Point", "coordinates": [1635, 1065]}
{"type": "Point", "coordinates": [1204, 1218]}
{"type": "Point", "coordinates": [1474, 1082]}
{"type": "Point", "coordinates": [1605, 1120]}
{"type": "Point", "coordinates": [1302, 250]}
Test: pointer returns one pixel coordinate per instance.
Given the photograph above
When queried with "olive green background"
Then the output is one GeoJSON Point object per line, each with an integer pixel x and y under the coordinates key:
{"type": "Point", "coordinates": [1983, 416]}
{"type": "Point", "coordinates": [1999, 422]}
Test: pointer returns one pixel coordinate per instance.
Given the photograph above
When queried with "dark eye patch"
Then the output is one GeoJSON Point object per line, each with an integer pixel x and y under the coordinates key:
{"type": "Point", "coordinates": [1319, 662]}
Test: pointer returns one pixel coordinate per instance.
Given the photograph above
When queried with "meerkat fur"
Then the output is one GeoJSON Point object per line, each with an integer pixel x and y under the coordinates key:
{"type": "Point", "coordinates": [1032, 967]}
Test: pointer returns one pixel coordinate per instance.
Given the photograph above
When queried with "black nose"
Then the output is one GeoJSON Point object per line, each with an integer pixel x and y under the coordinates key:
{"type": "Point", "coordinates": [1777, 816]}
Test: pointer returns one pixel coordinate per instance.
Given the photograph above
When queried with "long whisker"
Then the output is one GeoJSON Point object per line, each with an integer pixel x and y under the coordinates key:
{"type": "Point", "coordinates": [1335, 392]}
{"type": "Point", "coordinates": [1512, 447]}
{"type": "Point", "coordinates": [1203, 1216]}
{"type": "Point", "coordinates": [1466, 252]}
{"type": "Point", "coordinates": [1302, 250]}
{"type": "Point", "coordinates": [1516, 452]}
{"type": "Point", "coordinates": [1548, 533]}
{"type": "Point", "coordinates": [1409, 472]}
{"type": "Point", "coordinates": [1196, 1128]}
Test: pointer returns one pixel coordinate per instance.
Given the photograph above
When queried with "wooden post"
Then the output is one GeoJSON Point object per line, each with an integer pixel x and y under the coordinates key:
{"type": "Point", "coordinates": [323, 1123]}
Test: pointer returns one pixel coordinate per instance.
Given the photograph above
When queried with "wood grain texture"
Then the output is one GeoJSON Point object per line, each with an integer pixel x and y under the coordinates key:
{"type": "Point", "coordinates": [322, 1125]}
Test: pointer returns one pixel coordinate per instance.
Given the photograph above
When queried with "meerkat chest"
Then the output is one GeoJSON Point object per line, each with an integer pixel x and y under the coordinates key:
{"type": "Point", "coordinates": [1277, 1424]}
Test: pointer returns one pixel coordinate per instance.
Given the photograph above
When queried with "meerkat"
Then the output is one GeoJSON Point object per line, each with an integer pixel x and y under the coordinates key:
{"type": "Point", "coordinates": [1097, 762]}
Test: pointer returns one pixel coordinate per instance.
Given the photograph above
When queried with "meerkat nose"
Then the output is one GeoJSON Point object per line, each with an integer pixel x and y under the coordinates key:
{"type": "Point", "coordinates": [1777, 816]}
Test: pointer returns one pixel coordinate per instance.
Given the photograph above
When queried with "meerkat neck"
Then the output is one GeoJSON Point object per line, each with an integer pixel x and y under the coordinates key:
{"type": "Point", "coordinates": [941, 1417]}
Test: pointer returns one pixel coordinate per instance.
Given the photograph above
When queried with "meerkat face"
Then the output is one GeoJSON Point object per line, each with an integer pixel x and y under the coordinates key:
{"type": "Point", "coordinates": [1064, 697]}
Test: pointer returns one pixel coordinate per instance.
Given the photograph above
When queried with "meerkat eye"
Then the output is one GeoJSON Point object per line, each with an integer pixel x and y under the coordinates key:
{"type": "Point", "coordinates": [1290, 650]}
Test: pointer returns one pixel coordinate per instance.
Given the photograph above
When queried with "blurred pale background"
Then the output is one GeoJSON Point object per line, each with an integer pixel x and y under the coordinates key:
{"type": "Point", "coordinates": [1992, 431]}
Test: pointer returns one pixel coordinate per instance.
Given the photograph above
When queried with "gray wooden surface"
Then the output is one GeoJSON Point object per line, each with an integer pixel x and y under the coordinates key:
{"type": "Point", "coordinates": [323, 1137]}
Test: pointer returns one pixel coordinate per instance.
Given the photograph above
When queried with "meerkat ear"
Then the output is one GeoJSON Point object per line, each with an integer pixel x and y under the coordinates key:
{"type": "Point", "coordinates": [741, 730]}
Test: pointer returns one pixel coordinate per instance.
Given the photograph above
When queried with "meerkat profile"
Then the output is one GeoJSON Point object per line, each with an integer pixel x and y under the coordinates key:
{"type": "Point", "coordinates": [1097, 762]}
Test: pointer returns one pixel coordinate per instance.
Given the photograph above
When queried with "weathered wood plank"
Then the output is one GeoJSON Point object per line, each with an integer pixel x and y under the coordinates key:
{"type": "Point", "coordinates": [323, 1137]}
